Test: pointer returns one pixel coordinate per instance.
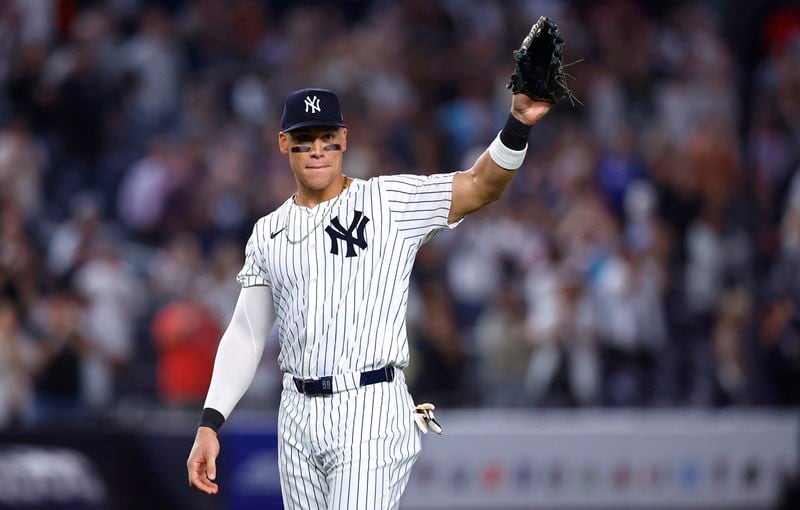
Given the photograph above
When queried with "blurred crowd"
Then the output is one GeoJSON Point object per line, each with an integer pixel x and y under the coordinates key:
{"type": "Point", "coordinates": [647, 254]}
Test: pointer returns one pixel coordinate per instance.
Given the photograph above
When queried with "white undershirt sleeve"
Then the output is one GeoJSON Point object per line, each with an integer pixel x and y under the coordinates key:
{"type": "Point", "coordinates": [240, 348]}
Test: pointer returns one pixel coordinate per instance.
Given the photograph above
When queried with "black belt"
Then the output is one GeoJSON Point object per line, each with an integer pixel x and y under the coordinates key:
{"type": "Point", "coordinates": [324, 385]}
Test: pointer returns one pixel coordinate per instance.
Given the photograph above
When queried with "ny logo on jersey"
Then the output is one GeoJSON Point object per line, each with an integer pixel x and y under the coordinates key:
{"type": "Point", "coordinates": [312, 103]}
{"type": "Point", "coordinates": [337, 232]}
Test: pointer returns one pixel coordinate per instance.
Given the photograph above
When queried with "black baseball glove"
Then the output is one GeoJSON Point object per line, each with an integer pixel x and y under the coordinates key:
{"type": "Point", "coordinates": [539, 72]}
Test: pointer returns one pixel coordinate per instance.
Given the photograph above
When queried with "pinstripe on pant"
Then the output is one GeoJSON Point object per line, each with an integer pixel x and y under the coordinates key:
{"type": "Point", "coordinates": [349, 450]}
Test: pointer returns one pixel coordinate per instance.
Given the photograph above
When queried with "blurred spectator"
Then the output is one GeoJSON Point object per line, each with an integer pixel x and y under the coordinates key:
{"type": "Point", "coordinates": [644, 233]}
{"type": "Point", "coordinates": [617, 169]}
{"type": "Point", "coordinates": [153, 56]}
{"type": "Point", "coordinates": [19, 361]}
{"type": "Point", "coordinates": [144, 189]}
{"type": "Point", "coordinates": [731, 371]}
{"type": "Point", "coordinates": [563, 369]}
{"type": "Point", "coordinates": [719, 257]}
{"type": "Point", "coordinates": [71, 242]}
{"type": "Point", "coordinates": [173, 270]}
{"type": "Point", "coordinates": [186, 334]}
{"type": "Point", "coordinates": [21, 162]}
{"type": "Point", "coordinates": [74, 96]}
{"type": "Point", "coordinates": [60, 393]}
{"type": "Point", "coordinates": [183, 208]}
{"type": "Point", "coordinates": [218, 287]}
{"type": "Point", "coordinates": [787, 264]}
{"type": "Point", "coordinates": [780, 348]}
{"type": "Point", "coordinates": [474, 271]}
{"type": "Point", "coordinates": [503, 347]}
{"type": "Point", "coordinates": [114, 303]}
{"type": "Point", "coordinates": [225, 186]}
{"type": "Point", "coordinates": [19, 261]}
{"type": "Point", "coordinates": [439, 352]}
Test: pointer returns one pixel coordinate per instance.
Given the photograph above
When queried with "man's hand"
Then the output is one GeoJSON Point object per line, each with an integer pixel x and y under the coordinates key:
{"type": "Point", "coordinates": [202, 463]}
{"type": "Point", "coordinates": [527, 110]}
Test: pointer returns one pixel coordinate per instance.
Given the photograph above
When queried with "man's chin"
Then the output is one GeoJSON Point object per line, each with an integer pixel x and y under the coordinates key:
{"type": "Point", "coordinates": [318, 182]}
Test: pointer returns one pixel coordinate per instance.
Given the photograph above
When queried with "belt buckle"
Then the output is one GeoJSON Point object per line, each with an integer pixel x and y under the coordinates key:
{"type": "Point", "coordinates": [305, 385]}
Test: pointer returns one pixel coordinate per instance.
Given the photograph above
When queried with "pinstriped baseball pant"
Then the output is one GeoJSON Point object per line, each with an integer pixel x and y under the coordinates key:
{"type": "Point", "coordinates": [349, 450]}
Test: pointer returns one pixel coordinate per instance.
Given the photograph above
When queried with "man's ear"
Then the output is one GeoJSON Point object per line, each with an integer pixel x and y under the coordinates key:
{"type": "Point", "coordinates": [283, 142]}
{"type": "Point", "coordinates": [344, 139]}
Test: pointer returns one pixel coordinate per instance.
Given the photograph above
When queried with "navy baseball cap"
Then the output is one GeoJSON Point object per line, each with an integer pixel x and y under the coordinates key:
{"type": "Point", "coordinates": [311, 108]}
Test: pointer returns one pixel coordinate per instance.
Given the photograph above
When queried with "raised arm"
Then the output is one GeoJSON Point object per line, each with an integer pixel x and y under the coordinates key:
{"type": "Point", "coordinates": [487, 179]}
{"type": "Point", "coordinates": [538, 82]}
{"type": "Point", "coordinates": [238, 355]}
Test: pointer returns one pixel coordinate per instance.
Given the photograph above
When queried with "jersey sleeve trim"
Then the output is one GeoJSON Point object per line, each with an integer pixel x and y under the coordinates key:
{"type": "Point", "coordinates": [254, 271]}
{"type": "Point", "coordinates": [419, 204]}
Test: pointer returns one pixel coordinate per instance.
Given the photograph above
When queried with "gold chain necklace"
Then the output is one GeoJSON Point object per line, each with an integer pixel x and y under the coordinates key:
{"type": "Point", "coordinates": [322, 215]}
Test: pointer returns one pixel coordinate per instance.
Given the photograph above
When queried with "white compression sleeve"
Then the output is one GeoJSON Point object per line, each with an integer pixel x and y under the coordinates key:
{"type": "Point", "coordinates": [240, 348]}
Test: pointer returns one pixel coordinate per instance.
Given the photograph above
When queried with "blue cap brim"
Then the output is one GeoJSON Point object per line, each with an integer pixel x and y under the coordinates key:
{"type": "Point", "coordinates": [313, 123]}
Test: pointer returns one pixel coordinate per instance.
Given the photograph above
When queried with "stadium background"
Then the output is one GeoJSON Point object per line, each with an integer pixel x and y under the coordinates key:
{"type": "Point", "coordinates": [640, 280]}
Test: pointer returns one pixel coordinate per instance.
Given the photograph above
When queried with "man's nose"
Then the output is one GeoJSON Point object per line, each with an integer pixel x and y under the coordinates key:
{"type": "Point", "coordinates": [316, 148]}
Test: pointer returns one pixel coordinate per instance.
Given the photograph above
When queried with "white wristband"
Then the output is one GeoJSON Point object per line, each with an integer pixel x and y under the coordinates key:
{"type": "Point", "coordinates": [506, 158]}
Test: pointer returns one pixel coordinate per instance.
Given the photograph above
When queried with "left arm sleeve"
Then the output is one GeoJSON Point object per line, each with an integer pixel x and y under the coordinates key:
{"type": "Point", "coordinates": [419, 204]}
{"type": "Point", "coordinates": [240, 349]}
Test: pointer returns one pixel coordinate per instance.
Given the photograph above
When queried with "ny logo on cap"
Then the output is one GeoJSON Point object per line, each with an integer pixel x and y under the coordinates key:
{"type": "Point", "coordinates": [312, 103]}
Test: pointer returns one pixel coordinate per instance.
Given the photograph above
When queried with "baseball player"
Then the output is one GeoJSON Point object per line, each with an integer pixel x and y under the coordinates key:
{"type": "Point", "coordinates": [331, 268]}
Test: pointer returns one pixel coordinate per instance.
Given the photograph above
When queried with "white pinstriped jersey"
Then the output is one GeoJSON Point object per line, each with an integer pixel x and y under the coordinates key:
{"type": "Point", "coordinates": [340, 294]}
